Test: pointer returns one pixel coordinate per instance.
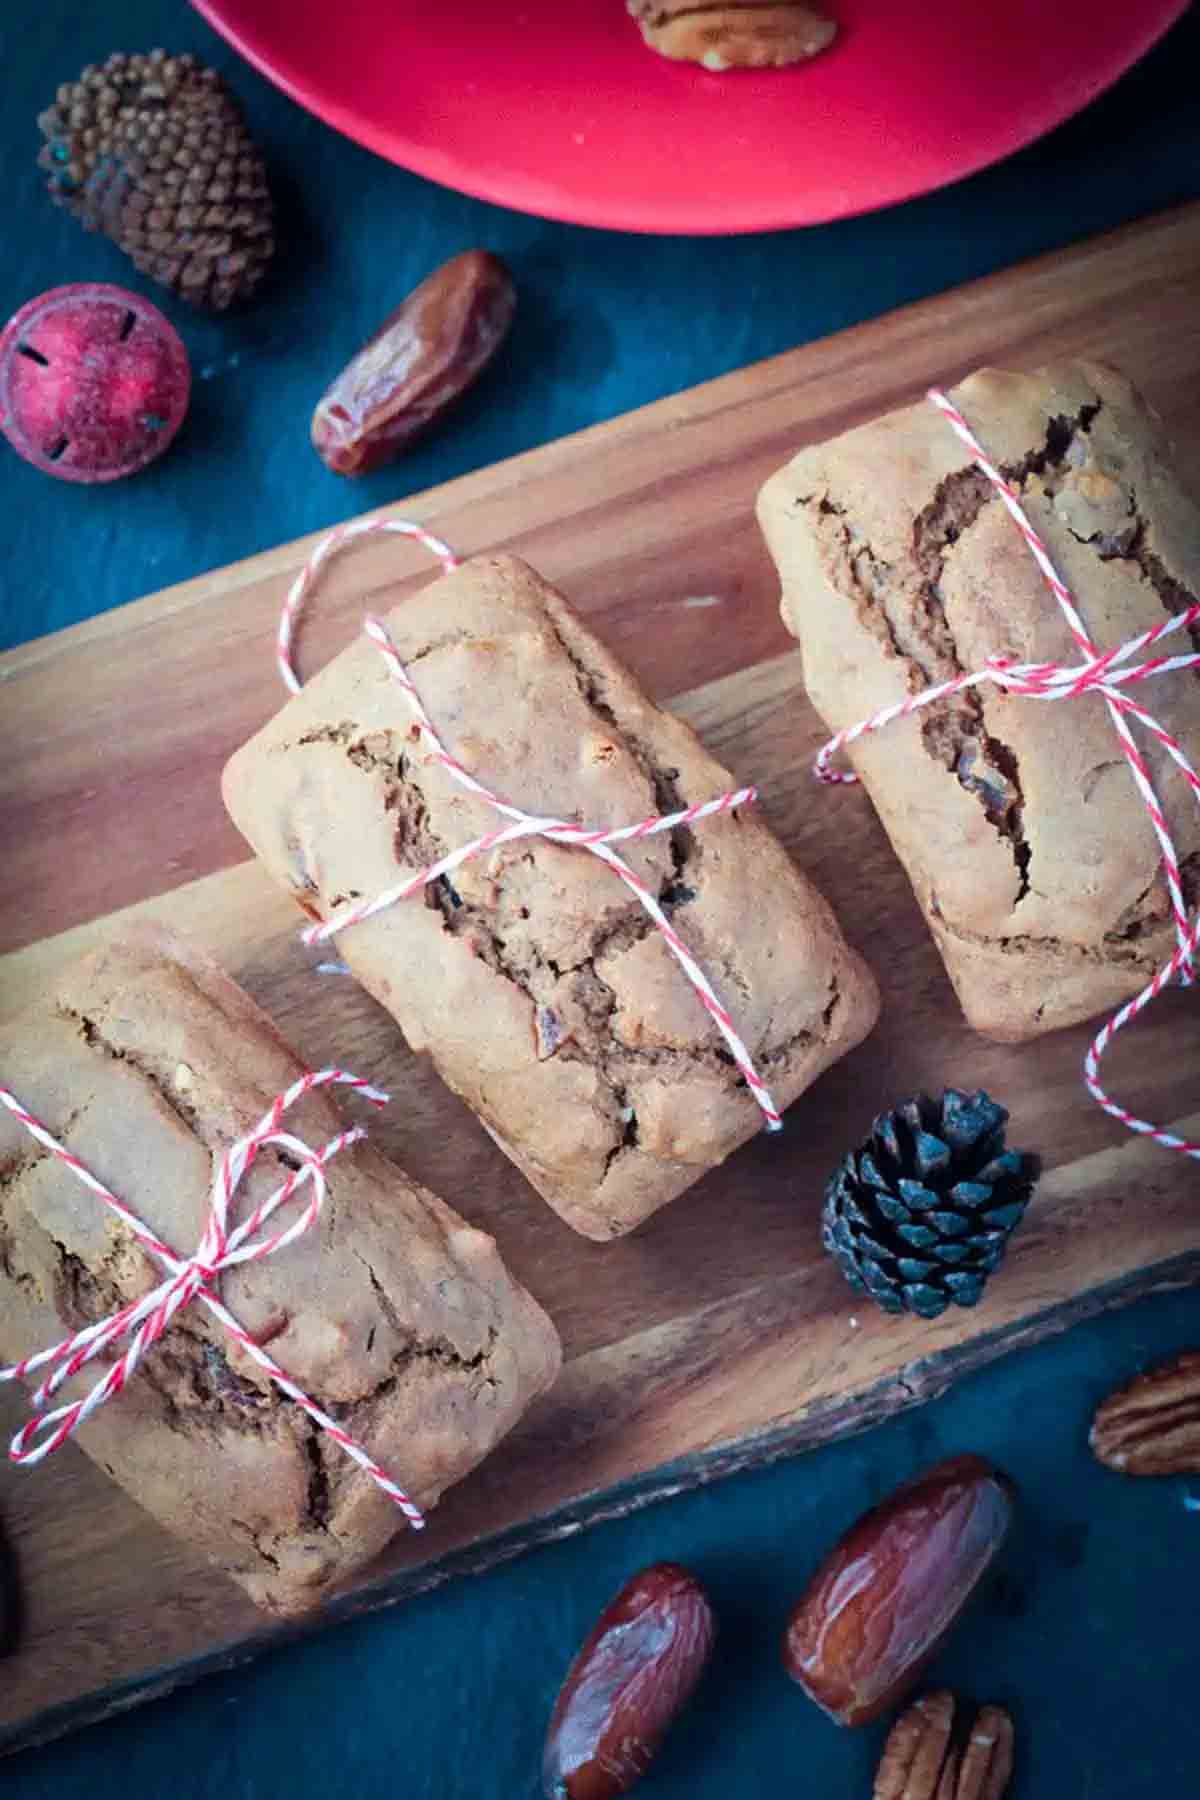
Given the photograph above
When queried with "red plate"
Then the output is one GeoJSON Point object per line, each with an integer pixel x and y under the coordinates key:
{"type": "Point", "coordinates": [557, 108]}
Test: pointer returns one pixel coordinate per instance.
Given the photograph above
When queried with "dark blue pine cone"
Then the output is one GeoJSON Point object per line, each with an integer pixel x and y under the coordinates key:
{"type": "Point", "coordinates": [922, 1212]}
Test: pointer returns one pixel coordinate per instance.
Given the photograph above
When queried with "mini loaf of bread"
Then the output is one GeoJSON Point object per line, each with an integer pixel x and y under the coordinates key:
{"type": "Point", "coordinates": [1025, 839]}
{"type": "Point", "coordinates": [390, 1312]}
{"type": "Point", "coordinates": [534, 978]}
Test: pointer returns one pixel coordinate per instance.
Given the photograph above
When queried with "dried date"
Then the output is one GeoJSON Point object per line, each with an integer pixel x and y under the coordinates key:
{"type": "Point", "coordinates": [633, 1675]}
{"type": "Point", "coordinates": [421, 359]}
{"type": "Point", "coordinates": [886, 1596]}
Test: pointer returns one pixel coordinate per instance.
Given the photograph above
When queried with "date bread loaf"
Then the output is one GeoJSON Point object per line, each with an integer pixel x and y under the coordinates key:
{"type": "Point", "coordinates": [1026, 841]}
{"type": "Point", "coordinates": [390, 1312]}
{"type": "Point", "coordinates": [533, 977]}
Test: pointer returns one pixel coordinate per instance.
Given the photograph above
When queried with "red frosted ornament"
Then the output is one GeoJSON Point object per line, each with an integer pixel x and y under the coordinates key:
{"type": "Point", "coordinates": [94, 382]}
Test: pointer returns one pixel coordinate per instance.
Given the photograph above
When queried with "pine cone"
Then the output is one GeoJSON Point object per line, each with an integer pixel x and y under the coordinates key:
{"type": "Point", "coordinates": [151, 150]}
{"type": "Point", "coordinates": [921, 1214]}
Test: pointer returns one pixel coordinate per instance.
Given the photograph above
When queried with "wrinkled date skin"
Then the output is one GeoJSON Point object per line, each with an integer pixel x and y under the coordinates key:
{"type": "Point", "coordinates": [634, 1673]}
{"type": "Point", "coordinates": [885, 1597]}
{"type": "Point", "coordinates": [418, 363]}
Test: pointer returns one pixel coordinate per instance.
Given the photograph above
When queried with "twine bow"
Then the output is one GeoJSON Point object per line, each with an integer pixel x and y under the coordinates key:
{"type": "Point", "coordinates": [1109, 674]}
{"type": "Point", "coordinates": [189, 1279]}
{"type": "Point", "coordinates": [521, 824]}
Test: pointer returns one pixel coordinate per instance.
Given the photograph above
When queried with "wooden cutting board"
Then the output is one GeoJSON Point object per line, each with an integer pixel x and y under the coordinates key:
{"type": "Point", "coordinates": [718, 1336]}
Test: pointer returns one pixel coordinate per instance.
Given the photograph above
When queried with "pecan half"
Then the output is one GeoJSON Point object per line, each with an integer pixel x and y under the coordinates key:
{"type": "Point", "coordinates": [731, 34]}
{"type": "Point", "coordinates": [987, 1757]}
{"type": "Point", "coordinates": [1152, 1425]}
{"type": "Point", "coordinates": [915, 1753]}
{"type": "Point", "coordinates": [925, 1758]}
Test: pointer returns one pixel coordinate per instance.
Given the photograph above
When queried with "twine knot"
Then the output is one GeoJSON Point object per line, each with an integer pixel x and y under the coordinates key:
{"type": "Point", "coordinates": [141, 1323]}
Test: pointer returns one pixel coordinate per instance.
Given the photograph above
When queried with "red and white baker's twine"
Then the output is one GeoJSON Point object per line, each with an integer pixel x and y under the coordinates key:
{"type": "Point", "coordinates": [221, 1247]}
{"type": "Point", "coordinates": [329, 546]}
{"type": "Point", "coordinates": [522, 824]}
{"type": "Point", "coordinates": [1108, 674]}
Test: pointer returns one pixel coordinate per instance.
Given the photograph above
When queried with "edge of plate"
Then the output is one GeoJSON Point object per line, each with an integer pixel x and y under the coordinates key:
{"type": "Point", "coordinates": [547, 200]}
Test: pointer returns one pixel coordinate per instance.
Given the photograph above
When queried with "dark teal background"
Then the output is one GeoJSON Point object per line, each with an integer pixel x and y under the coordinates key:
{"type": "Point", "coordinates": [1090, 1631]}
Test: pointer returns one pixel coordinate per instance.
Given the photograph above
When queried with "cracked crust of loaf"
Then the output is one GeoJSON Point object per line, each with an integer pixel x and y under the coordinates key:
{"type": "Point", "coordinates": [733, 36]}
{"type": "Point", "coordinates": [392, 1313]}
{"type": "Point", "coordinates": [534, 978]}
{"type": "Point", "coordinates": [1018, 822]}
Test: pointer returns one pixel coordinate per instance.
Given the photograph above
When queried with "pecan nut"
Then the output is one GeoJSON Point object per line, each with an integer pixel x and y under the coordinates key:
{"type": "Point", "coordinates": [927, 1758]}
{"type": "Point", "coordinates": [914, 1756]}
{"type": "Point", "coordinates": [730, 34]}
{"type": "Point", "coordinates": [1151, 1426]}
{"type": "Point", "coordinates": [986, 1763]}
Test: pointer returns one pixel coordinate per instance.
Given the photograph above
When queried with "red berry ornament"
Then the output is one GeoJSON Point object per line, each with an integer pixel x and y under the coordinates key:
{"type": "Point", "coordinates": [94, 383]}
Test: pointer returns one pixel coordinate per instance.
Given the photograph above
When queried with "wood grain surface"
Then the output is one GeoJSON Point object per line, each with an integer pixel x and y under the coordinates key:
{"type": "Point", "coordinates": [719, 1335]}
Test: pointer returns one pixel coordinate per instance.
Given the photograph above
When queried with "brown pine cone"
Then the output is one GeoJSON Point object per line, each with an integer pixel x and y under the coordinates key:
{"type": "Point", "coordinates": [926, 1758]}
{"type": "Point", "coordinates": [152, 151]}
